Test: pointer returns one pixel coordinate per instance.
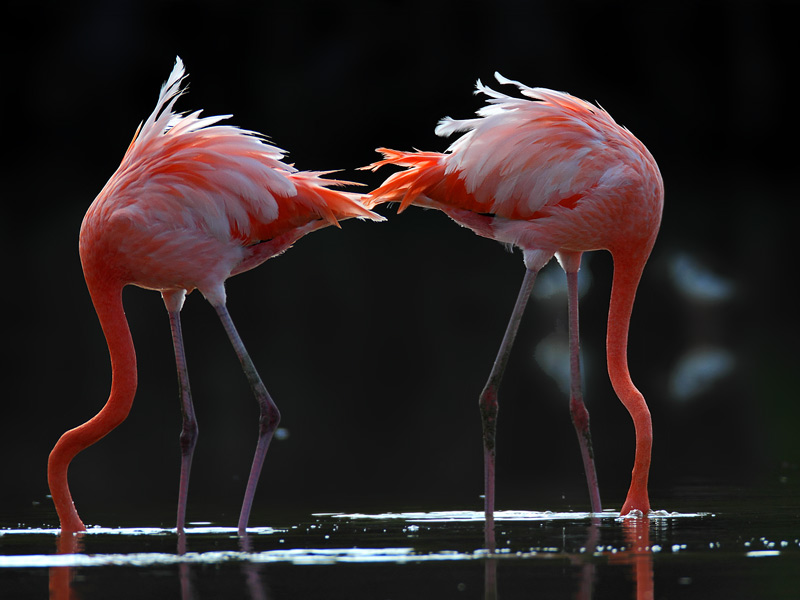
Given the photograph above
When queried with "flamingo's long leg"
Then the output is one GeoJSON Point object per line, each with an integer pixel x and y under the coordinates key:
{"type": "Point", "coordinates": [488, 401]}
{"type": "Point", "coordinates": [269, 416]}
{"type": "Point", "coordinates": [189, 429]}
{"type": "Point", "coordinates": [577, 408]}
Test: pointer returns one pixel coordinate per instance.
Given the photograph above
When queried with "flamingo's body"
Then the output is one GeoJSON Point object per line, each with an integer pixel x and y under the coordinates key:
{"type": "Point", "coordinates": [552, 175]}
{"type": "Point", "coordinates": [192, 203]}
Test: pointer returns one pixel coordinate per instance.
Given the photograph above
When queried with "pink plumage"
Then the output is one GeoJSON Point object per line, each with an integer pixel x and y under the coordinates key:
{"type": "Point", "coordinates": [548, 171]}
{"type": "Point", "coordinates": [555, 176]}
{"type": "Point", "coordinates": [193, 203]}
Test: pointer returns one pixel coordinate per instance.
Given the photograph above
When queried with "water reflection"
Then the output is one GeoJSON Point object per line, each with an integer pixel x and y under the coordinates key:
{"type": "Point", "coordinates": [61, 577]}
{"type": "Point", "coordinates": [184, 572]}
{"type": "Point", "coordinates": [71, 547]}
{"type": "Point", "coordinates": [490, 578]}
{"type": "Point", "coordinates": [638, 554]}
{"type": "Point", "coordinates": [530, 544]}
{"type": "Point", "coordinates": [587, 576]}
{"type": "Point", "coordinates": [252, 571]}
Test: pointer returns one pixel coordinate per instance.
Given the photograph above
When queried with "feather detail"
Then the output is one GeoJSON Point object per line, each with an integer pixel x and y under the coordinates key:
{"type": "Point", "coordinates": [228, 181]}
{"type": "Point", "coordinates": [520, 158]}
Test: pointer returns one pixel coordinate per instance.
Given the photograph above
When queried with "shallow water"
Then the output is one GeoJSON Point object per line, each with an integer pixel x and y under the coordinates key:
{"type": "Point", "coordinates": [749, 546]}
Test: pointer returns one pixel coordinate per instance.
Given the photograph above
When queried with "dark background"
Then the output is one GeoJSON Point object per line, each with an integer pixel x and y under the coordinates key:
{"type": "Point", "coordinates": [376, 340]}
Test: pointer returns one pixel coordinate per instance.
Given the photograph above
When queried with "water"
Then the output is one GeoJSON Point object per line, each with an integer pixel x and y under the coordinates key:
{"type": "Point", "coordinates": [736, 543]}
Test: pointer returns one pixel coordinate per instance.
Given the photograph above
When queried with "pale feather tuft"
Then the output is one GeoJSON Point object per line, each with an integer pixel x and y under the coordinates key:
{"type": "Point", "coordinates": [536, 153]}
{"type": "Point", "coordinates": [227, 180]}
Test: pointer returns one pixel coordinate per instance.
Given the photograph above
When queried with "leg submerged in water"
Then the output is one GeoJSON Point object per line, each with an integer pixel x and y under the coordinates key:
{"type": "Point", "coordinates": [580, 415]}
{"type": "Point", "coordinates": [269, 416]}
{"type": "Point", "coordinates": [489, 405]}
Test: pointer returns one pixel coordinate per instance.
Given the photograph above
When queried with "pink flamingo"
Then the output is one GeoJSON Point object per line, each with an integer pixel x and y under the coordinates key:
{"type": "Point", "coordinates": [192, 204]}
{"type": "Point", "coordinates": [554, 176]}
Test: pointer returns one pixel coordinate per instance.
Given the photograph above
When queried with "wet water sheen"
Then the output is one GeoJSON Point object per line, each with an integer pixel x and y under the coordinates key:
{"type": "Point", "coordinates": [748, 548]}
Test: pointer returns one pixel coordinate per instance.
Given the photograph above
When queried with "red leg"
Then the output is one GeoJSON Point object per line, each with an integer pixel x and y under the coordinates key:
{"type": "Point", "coordinates": [638, 498]}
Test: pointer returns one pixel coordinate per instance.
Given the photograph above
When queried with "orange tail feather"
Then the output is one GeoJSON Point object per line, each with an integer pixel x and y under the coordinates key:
{"type": "Point", "coordinates": [424, 170]}
{"type": "Point", "coordinates": [332, 204]}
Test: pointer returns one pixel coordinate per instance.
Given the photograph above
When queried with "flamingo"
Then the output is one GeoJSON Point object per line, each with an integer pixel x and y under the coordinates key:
{"type": "Point", "coordinates": [193, 203]}
{"type": "Point", "coordinates": [554, 176]}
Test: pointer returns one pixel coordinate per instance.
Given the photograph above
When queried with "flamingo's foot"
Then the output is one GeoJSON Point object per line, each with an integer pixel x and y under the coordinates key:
{"type": "Point", "coordinates": [636, 502]}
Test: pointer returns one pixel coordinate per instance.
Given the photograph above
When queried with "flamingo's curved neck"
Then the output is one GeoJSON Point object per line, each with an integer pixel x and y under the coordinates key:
{"type": "Point", "coordinates": [628, 267]}
{"type": "Point", "coordinates": [107, 299]}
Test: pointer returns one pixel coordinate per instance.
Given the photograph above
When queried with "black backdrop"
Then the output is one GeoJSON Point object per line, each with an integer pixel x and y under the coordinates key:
{"type": "Point", "coordinates": [376, 340]}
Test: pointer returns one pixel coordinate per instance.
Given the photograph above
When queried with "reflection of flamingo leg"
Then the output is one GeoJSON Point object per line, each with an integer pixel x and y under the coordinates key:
{"type": "Point", "coordinates": [588, 569]}
{"type": "Point", "coordinates": [252, 570]}
{"type": "Point", "coordinates": [490, 579]}
{"type": "Point", "coordinates": [639, 555]}
{"type": "Point", "coordinates": [61, 577]}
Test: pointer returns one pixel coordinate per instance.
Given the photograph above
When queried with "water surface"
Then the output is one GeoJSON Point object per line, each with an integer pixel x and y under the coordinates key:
{"type": "Point", "coordinates": [749, 547]}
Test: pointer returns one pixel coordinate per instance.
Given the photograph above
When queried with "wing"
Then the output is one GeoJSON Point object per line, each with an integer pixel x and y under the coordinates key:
{"type": "Point", "coordinates": [522, 158]}
{"type": "Point", "coordinates": [524, 155]}
{"type": "Point", "coordinates": [187, 171]}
